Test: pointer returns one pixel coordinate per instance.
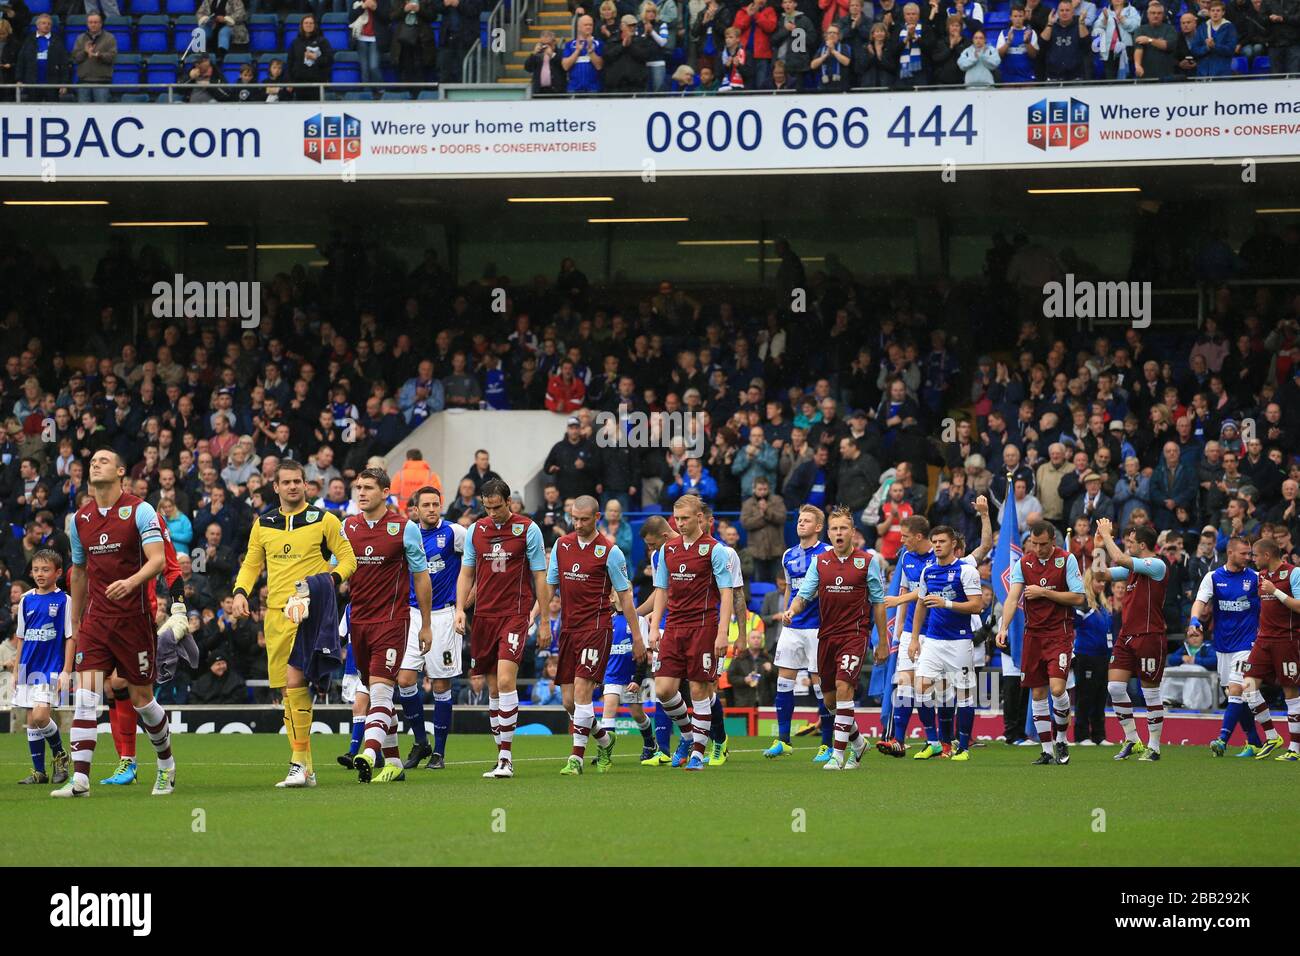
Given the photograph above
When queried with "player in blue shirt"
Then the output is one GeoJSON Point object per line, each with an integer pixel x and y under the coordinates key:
{"type": "Point", "coordinates": [352, 691]}
{"type": "Point", "coordinates": [622, 685]}
{"type": "Point", "coordinates": [44, 663]}
{"type": "Point", "coordinates": [444, 543]}
{"type": "Point", "coordinates": [916, 555]}
{"type": "Point", "coordinates": [796, 647]}
{"type": "Point", "coordinates": [1230, 595]}
{"type": "Point", "coordinates": [655, 530]}
{"type": "Point", "coordinates": [948, 595]}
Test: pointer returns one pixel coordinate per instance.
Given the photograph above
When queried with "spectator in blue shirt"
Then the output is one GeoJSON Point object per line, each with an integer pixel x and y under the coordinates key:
{"type": "Point", "coordinates": [545, 692]}
{"type": "Point", "coordinates": [583, 59]}
{"type": "Point", "coordinates": [1215, 43]}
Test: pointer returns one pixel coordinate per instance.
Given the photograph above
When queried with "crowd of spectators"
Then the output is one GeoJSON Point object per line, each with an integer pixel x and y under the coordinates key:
{"type": "Point", "coordinates": [700, 46]}
{"type": "Point", "coordinates": [864, 400]}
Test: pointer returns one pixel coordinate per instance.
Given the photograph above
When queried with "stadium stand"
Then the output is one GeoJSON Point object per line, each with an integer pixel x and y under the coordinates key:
{"type": "Point", "coordinates": [1257, 42]}
{"type": "Point", "coordinates": [1194, 431]}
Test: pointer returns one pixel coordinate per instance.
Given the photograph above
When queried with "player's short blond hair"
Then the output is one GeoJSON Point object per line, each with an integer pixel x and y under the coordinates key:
{"type": "Point", "coordinates": [694, 502]}
{"type": "Point", "coordinates": [840, 511]}
{"type": "Point", "coordinates": [815, 511]}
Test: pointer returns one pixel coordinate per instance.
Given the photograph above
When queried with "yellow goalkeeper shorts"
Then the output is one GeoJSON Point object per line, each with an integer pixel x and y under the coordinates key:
{"type": "Point", "coordinates": [280, 636]}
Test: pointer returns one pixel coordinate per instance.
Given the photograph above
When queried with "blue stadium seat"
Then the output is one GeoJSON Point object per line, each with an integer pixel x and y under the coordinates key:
{"type": "Point", "coordinates": [39, 6]}
{"type": "Point", "coordinates": [143, 8]}
{"type": "Point", "coordinates": [388, 72]}
{"type": "Point", "coordinates": [335, 28]}
{"type": "Point", "coordinates": [120, 27]}
{"type": "Point", "coordinates": [346, 68]}
{"type": "Point", "coordinates": [427, 95]}
{"type": "Point", "coordinates": [153, 34]}
{"type": "Point", "coordinates": [76, 26]}
{"type": "Point", "coordinates": [757, 591]}
{"type": "Point", "coordinates": [1262, 64]}
{"type": "Point", "coordinates": [396, 95]}
{"type": "Point", "coordinates": [181, 8]}
{"type": "Point", "coordinates": [997, 20]}
{"type": "Point", "coordinates": [1240, 64]}
{"type": "Point", "coordinates": [231, 64]}
{"type": "Point", "coordinates": [136, 98]}
{"type": "Point", "coordinates": [292, 24]}
{"type": "Point", "coordinates": [483, 19]}
{"type": "Point", "coordinates": [358, 95]}
{"type": "Point", "coordinates": [263, 32]}
{"type": "Point", "coordinates": [181, 38]}
{"type": "Point", "coordinates": [162, 68]}
{"type": "Point", "coordinates": [126, 69]}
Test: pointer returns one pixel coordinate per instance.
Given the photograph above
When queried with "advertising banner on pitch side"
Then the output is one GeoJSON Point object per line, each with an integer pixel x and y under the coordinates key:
{"type": "Point", "coordinates": [1032, 126]}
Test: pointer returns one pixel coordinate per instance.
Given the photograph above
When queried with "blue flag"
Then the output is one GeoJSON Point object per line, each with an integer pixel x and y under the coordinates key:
{"type": "Point", "coordinates": [882, 676]}
{"type": "Point", "coordinates": [1007, 553]}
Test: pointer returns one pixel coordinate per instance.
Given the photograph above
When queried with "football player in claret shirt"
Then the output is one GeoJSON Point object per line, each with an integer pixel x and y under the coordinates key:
{"type": "Point", "coordinates": [505, 567]}
{"type": "Point", "coordinates": [1275, 658]}
{"type": "Point", "coordinates": [693, 586]}
{"type": "Point", "coordinates": [390, 563]}
{"type": "Point", "coordinates": [849, 587]}
{"type": "Point", "coordinates": [1230, 596]}
{"type": "Point", "coordinates": [121, 716]}
{"type": "Point", "coordinates": [1142, 640]}
{"type": "Point", "coordinates": [1052, 586]}
{"type": "Point", "coordinates": [117, 548]}
{"type": "Point", "coordinates": [796, 647]}
{"type": "Point", "coordinates": [949, 593]}
{"type": "Point", "coordinates": [585, 566]}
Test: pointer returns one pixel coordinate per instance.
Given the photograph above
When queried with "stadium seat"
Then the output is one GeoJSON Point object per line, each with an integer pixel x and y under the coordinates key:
{"type": "Point", "coordinates": [136, 98]}
{"type": "Point", "coordinates": [358, 95]}
{"type": "Point", "coordinates": [126, 69]}
{"type": "Point", "coordinates": [346, 68]}
{"type": "Point", "coordinates": [396, 95]}
{"type": "Point", "coordinates": [292, 24]}
{"type": "Point", "coordinates": [335, 28]}
{"type": "Point", "coordinates": [120, 27]}
{"type": "Point", "coordinates": [140, 8]}
{"type": "Point", "coordinates": [263, 32]}
{"type": "Point", "coordinates": [181, 8]}
{"type": "Point", "coordinates": [1262, 64]}
{"type": "Point", "coordinates": [152, 34]}
{"type": "Point", "coordinates": [427, 95]}
{"type": "Point", "coordinates": [181, 38]}
{"type": "Point", "coordinates": [76, 26]}
{"type": "Point", "coordinates": [39, 6]}
{"type": "Point", "coordinates": [231, 64]}
{"type": "Point", "coordinates": [997, 20]}
{"type": "Point", "coordinates": [162, 68]}
{"type": "Point", "coordinates": [757, 591]}
{"type": "Point", "coordinates": [1240, 64]}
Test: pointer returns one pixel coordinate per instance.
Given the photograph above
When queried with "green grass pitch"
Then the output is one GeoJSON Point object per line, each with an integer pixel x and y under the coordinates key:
{"type": "Point", "coordinates": [1190, 809]}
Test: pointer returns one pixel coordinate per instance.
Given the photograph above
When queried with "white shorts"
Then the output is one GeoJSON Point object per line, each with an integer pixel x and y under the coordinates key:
{"type": "Point", "coordinates": [1232, 666]}
{"type": "Point", "coordinates": [796, 649]}
{"type": "Point", "coordinates": [28, 696]}
{"type": "Point", "coordinates": [351, 687]}
{"type": "Point", "coordinates": [443, 659]}
{"type": "Point", "coordinates": [625, 697]}
{"type": "Point", "coordinates": [948, 660]}
{"type": "Point", "coordinates": [905, 660]}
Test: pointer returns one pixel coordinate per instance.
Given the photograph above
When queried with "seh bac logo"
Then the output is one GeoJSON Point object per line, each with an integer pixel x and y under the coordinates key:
{"type": "Point", "coordinates": [331, 138]}
{"type": "Point", "coordinates": [1057, 123]}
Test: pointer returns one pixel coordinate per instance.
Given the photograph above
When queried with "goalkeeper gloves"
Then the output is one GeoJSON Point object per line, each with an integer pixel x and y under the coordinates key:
{"type": "Point", "coordinates": [297, 607]}
{"type": "Point", "coordinates": [178, 622]}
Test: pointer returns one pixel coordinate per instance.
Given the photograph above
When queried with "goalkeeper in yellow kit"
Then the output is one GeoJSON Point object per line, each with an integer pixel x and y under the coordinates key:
{"type": "Point", "coordinates": [292, 543]}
